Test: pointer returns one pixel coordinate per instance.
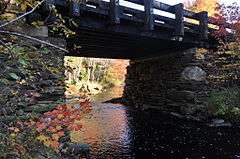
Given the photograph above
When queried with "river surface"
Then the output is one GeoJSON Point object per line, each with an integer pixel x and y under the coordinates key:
{"type": "Point", "coordinates": [122, 132]}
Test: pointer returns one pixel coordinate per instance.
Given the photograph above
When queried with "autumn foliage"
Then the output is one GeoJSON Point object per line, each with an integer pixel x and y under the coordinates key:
{"type": "Point", "coordinates": [226, 17]}
{"type": "Point", "coordinates": [203, 5]}
{"type": "Point", "coordinates": [54, 124]}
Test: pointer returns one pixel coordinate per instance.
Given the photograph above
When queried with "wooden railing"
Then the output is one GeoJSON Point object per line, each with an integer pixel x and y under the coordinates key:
{"type": "Point", "coordinates": [116, 12]}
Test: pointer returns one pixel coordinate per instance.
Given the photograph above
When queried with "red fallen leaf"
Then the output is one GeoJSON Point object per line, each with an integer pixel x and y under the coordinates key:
{"type": "Point", "coordinates": [78, 117]}
{"type": "Point", "coordinates": [54, 144]}
{"type": "Point", "coordinates": [75, 127]}
{"type": "Point", "coordinates": [54, 112]}
{"type": "Point", "coordinates": [60, 133]}
{"type": "Point", "coordinates": [29, 123]}
{"type": "Point", "coordinates": [52, 129]}
{"type": "Point", "coordinates": [57, 135]}
{"type": "Point", "coordinates": [47, 114]}
{"type": "Point", "coordinates": [62, 116]}
{"type": "Point", "coordinates": [66, 113]}
{"type": "Point", "coordinates": [41, 126]}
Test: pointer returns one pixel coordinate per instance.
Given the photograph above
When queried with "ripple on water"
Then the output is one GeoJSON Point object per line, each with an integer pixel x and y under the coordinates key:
{"type": "Point", "coordinates": [116, 131]}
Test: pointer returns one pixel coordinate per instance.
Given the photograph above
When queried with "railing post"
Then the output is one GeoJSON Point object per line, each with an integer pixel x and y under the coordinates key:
{"type": "Point", "coordinates": [179, 19]}
{"type": "Point", "coordinates": [149, 16]}
{"type": "Point", "coordinates": [203, 25]}
{"type": "Point", "coordinates": [114, 11]}
{"type": "Point", "coordinates": [75, 6]}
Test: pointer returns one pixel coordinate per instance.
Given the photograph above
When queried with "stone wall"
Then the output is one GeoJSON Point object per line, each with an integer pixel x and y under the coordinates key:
{"type": "Point", "coordinates": [181, 81]}
{"type": "Point", "coordinates": [33, 79]}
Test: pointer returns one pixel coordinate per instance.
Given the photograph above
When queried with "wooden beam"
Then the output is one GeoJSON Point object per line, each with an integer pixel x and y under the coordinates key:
{"type": "Point", "coordinates": [114, 11]}
{"type": "Point", "coordinates": [149, 16]}
{"type": "Point", "coordinates": [203, 25]}
{"type": "Point", "coordinates": [179, 20]}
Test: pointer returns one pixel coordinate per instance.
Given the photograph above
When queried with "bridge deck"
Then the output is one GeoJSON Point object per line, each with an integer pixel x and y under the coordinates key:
{"type": "Point", "coordinates": [109, 30]}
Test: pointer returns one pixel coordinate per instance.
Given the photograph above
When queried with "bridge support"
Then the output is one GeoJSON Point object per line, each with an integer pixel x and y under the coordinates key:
{"type": "Point", "coordinates": [179, 82]}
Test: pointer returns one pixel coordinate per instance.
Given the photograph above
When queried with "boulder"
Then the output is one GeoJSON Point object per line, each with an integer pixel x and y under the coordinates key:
{"type": "Point", "coordinates": [219, 123]}
{"type": "Point", "coordinates": [68, 149]}
{"type": "Point", "coordinates": [194, 73]}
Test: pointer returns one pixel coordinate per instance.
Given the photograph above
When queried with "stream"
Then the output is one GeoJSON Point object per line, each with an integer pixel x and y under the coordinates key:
{"type": "Point", "coordinates": [122, 132]}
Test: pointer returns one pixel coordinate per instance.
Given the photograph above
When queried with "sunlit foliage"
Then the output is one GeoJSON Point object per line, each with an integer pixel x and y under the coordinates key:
{"type": "Point", "coordinates": [203, 5]}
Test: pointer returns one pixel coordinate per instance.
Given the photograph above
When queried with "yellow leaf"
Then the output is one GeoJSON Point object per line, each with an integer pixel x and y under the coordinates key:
{"type": "Point", "coordinates": [60, 116]}
{"type": "Point", "coordinates": [58, 128]}
{"type": "Point", "coordinates": [13, 135]}
{"type": "Point", "coordinates": [42, 138]}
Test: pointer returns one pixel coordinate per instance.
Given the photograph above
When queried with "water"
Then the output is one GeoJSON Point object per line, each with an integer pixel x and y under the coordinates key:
{"type": "Point", "coordinates": [117, 131]}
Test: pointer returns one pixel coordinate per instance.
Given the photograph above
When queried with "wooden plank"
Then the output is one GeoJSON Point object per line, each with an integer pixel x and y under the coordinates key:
{"type": "Point", "coordinates": [179, 20]}
{"type": "Point", "coordinates": [149, 17]}
{"type": "Point", "coordinates": [114, 11]}
{"type": "Point", "coordinates": [203, 25]}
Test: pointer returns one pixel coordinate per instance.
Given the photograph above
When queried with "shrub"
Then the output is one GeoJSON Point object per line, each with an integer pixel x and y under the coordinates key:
{"type": "Point", "coordinates": [226, 103]}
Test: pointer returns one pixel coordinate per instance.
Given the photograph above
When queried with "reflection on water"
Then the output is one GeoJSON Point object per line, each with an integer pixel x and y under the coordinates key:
{"type": "Point", "coordinates": [117, 131]}
{"type": "Point", "coordinates": [106, 130]}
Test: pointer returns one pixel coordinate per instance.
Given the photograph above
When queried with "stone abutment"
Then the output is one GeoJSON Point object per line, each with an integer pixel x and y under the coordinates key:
{"type": "Point", "coordinates": [182, 81]}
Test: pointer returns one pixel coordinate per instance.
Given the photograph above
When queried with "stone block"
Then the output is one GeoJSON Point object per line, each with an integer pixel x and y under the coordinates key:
{"type": "Point", "coordinates": [181, 95]}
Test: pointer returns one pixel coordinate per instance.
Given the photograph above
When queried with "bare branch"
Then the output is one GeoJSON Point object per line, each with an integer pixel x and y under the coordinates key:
{"type": "Point", "coordinates": [22, 16]}
{"type": "Point", "coordinates": [32, 38]}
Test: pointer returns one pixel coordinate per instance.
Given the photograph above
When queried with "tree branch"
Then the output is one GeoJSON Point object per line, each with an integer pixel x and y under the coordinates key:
{"type": "Point", "coordinates": [25, 14]}
{"type": "Point", "coordinates": [32, 38]}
